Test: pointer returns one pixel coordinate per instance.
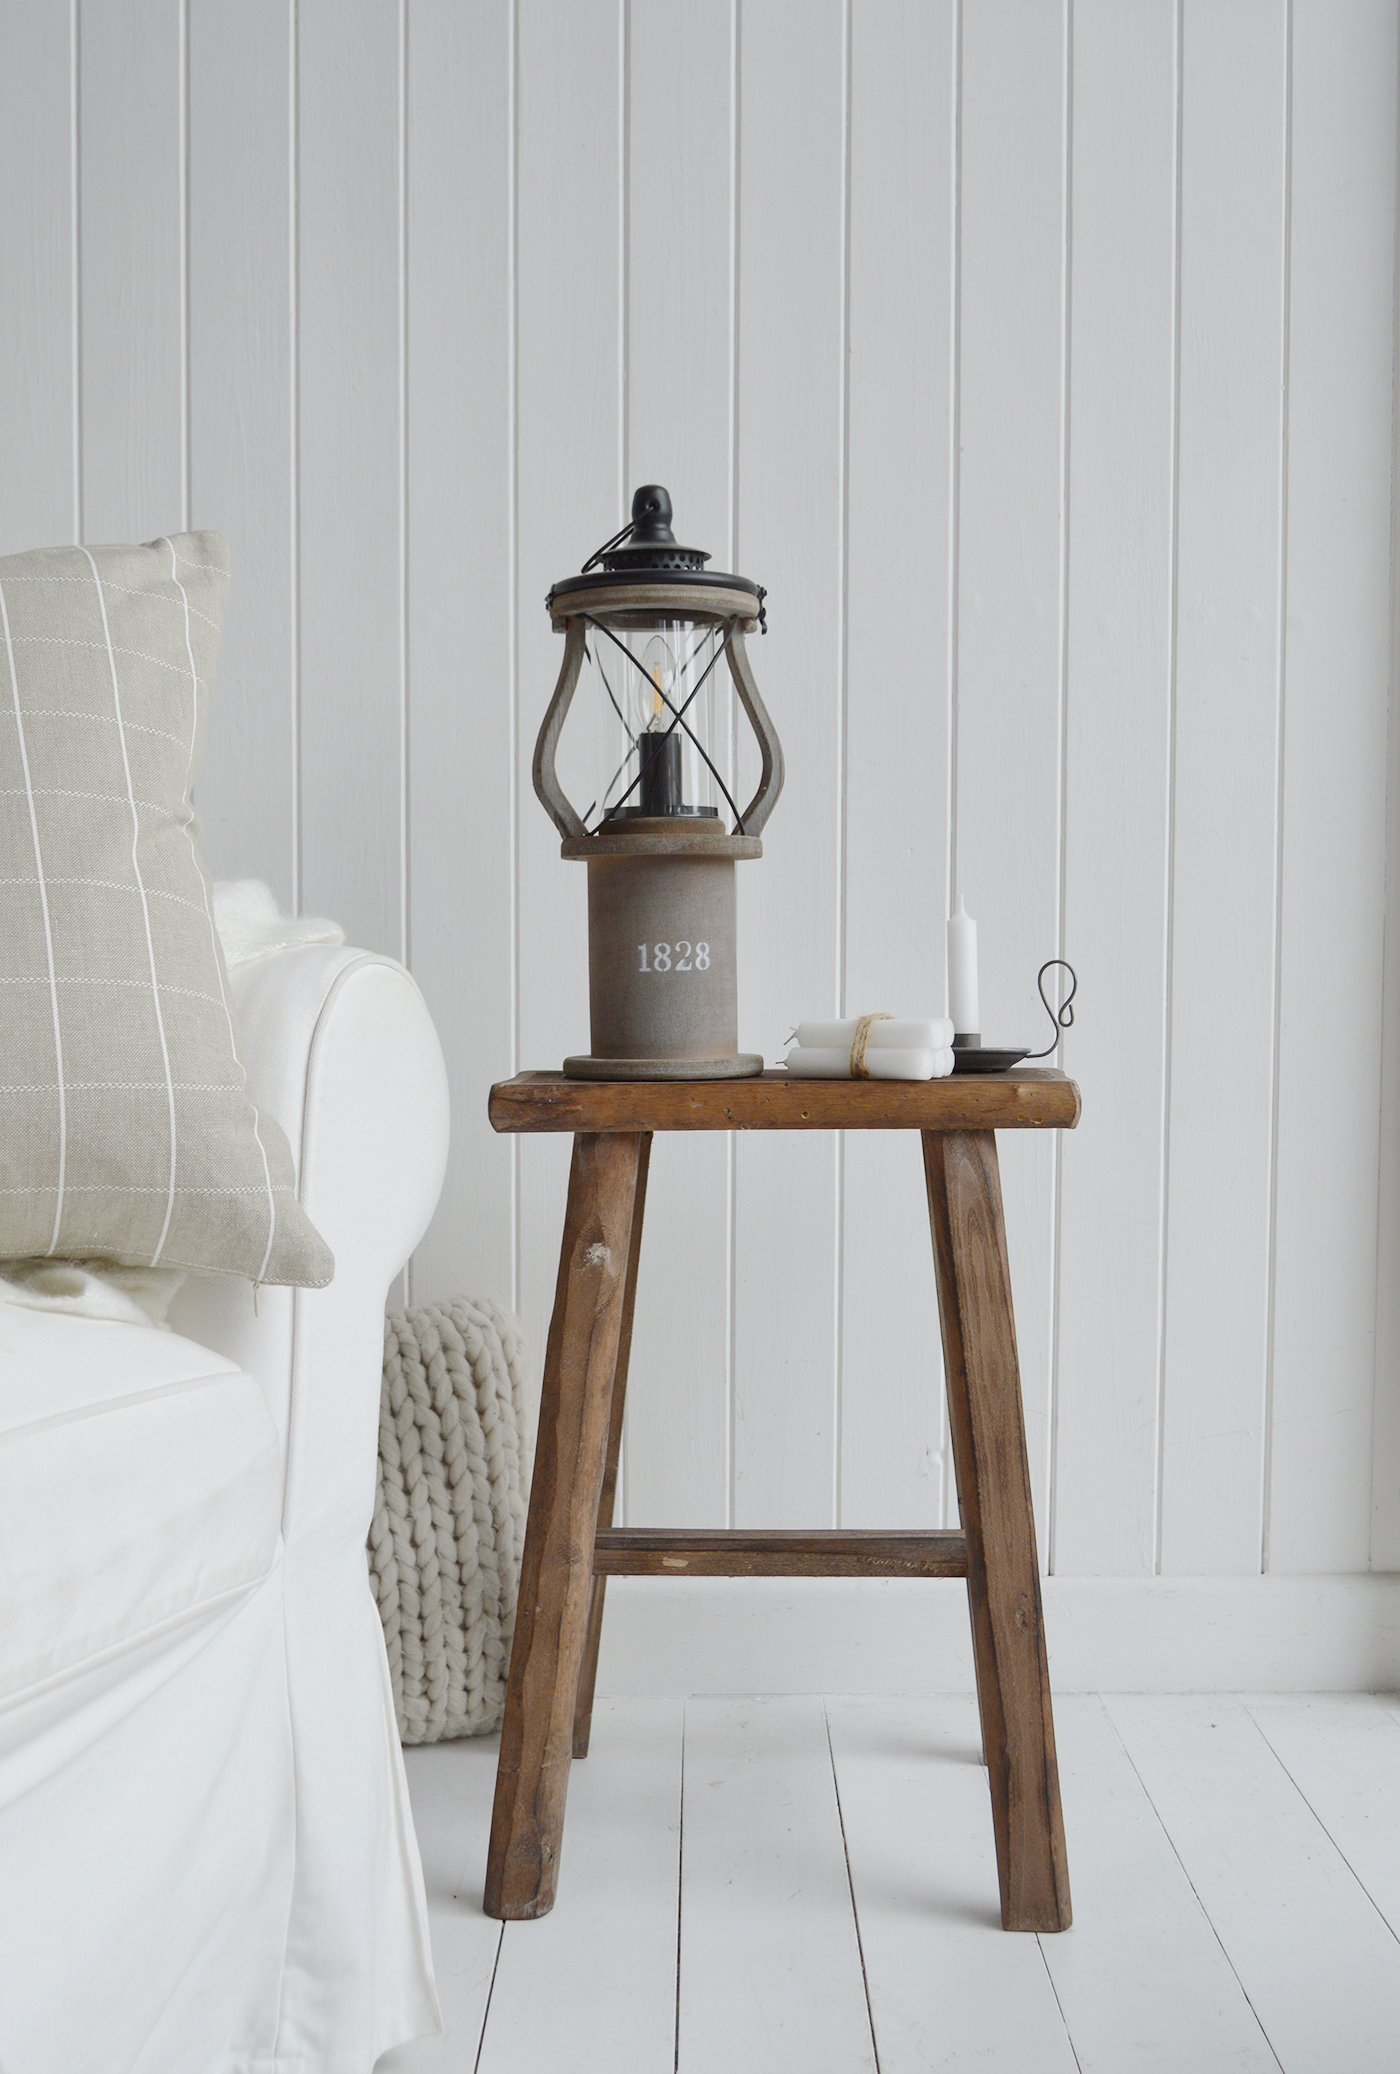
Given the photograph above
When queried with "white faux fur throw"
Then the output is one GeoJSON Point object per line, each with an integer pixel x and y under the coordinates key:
{"type": "Point", "coordinates": [251, 926]}
{"type": "Point", "coordinates": [91, 1289]}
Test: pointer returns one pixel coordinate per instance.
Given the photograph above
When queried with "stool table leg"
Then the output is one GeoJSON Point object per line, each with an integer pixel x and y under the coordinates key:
{"type": "Point", "coordinates": [994, 1495]}
{"type": "Point", "coordinates": [588, 1672]}
{"type": "Point", "coordinates": [556, 1570]}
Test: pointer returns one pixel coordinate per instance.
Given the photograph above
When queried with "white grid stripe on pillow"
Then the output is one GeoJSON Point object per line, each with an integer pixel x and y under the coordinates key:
{"type": "Point", "coordinates": [138, 1188]}
{"type": "Point", "coordinates": [48, 930]}
{"type": "Point", "coordinates": [156, 808]}
{"type": "Point", "coordinates": [145, 910]}
{"type": "Point", "coordinates": [72, 641]}
{"type": "Point", "coordinates": [137, 727]}
{"type": "Point", "coordinates": [106, 886]}
{"type": "Point", "coordinates": [126, 590]}
{"type": "Point", "coordinates": [209, 909]}
{"type": "Point", "coordinates": [195, 907]}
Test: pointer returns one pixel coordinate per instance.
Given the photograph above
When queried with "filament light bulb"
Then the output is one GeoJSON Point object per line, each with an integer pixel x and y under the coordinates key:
{"type": "Point", "coordinates": [659, 663]}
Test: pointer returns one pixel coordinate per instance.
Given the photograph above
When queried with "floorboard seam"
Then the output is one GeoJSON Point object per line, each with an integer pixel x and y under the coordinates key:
{"type": "Point", "coordinates": [680, 1890]}
{"type": "Point", "coordinates": [1069, 2035]}
{"type": "Point", "coordinates": [1171, 1841]}
{"type": "Point", "coordinates": [486, 2011]}
{"type": "Point", "coordinates": [850, 1882]}
{"type": "Point", "coordinates": [1279, 1761]}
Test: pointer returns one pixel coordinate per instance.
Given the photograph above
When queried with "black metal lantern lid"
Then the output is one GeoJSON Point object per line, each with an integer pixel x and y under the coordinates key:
{"type": "Point", "coordinates": [646, 549]}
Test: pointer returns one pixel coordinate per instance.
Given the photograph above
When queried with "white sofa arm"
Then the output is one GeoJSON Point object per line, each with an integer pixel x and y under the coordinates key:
{"type": "Point", "coordinates": [340, 1048]}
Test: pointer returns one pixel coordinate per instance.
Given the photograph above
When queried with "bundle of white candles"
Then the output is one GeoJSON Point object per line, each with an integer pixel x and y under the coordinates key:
{"type": "Point", "coordinates": [893, 1049]}
{"type": "Point", "coordinates": [885, 1047]}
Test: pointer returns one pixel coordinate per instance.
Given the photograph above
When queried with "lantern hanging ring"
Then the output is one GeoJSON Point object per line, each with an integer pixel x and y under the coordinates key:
{"type": "Point", "coordinates": [622, 533]}
{"type": "Point", "coordinates": [626, 532]}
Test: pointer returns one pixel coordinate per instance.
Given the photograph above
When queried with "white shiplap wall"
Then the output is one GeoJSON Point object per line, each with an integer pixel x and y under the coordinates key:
{"type": "Point", "coordinates": [1037, 355]}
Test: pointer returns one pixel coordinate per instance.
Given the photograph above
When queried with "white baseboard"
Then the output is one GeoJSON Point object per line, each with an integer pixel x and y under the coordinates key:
{"type": "Point", "coordinates": [1106, 1634]}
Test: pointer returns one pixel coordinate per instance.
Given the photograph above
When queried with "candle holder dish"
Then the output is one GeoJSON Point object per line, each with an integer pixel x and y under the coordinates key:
{"type": "Point", "coordinates": [970, 1055]}
{"type": "Point", "coordinates": [982, 1058]}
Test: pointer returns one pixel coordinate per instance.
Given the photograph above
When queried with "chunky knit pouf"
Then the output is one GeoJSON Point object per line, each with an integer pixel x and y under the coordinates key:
{"type": "Point", "coordinates": [449, 1518]}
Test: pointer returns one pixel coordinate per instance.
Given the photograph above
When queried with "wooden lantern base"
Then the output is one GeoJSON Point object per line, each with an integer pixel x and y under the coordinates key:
{"type": "Point", "coordinates": [737, 1065]}
{"type": "Point", "coordinates": [661, 952]}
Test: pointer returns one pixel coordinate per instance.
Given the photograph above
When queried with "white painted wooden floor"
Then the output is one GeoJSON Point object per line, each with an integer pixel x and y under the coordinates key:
{"type": "Point", "coordinates": [792, 1886]}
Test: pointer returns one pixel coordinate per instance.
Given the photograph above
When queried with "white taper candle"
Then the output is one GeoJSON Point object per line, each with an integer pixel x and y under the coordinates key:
{"type": "Point", "coordinates": [962, 973]}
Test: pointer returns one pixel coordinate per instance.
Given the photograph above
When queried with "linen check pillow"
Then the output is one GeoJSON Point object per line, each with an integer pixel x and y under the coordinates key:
{"type": "Point", "coordinates": [125, 1131]}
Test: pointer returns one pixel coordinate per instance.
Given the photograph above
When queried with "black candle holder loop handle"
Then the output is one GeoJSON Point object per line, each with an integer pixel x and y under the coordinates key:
{"type": "Point", "coordinates": [1063, 1016]}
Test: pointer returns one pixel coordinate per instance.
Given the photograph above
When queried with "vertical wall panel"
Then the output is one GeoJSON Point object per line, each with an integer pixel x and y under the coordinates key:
{"type": "Point", "coordinates": [1233, 190]}
{"type": "Point", "coordinates": [37, 478]}
{"type": "Point", "coordinates": [350, 466]}
{"type": "Point", "coordinates": [903, 171]}
{"type": "Point", "coordinates": [242, 475]}
{"type": "Point", "coordinates": [680, 277]}
{"type": "Point", "coordinates": [1117, 752]}
{"type": "Point", "coordinates": [1010, 581]}
{"type": "Point", "coordinates": [407, 298]}
{"type": "Point", "coordinates": [791, 339]}
{"type": "Point", "coordinates": [460, 617]}
{"type": "Point", "coordinates": [1385, 1461]}
{"type": "Point", "coordinates": [571, 496]}
{"type": "Point", "coordinates": [1336, 680]}
{"type": "Point", "coordinates": [132, 177]}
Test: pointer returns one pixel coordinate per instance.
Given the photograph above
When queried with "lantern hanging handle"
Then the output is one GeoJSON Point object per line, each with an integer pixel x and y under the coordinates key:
{"type": "Point", "coordinates": [1063, 1016]}
{"type": "Point", "coordinates": [770, 781]}
{"type": "Point", "coordinates": [547, 787]}
{"type": "Point", "coordinates": [607, 547]}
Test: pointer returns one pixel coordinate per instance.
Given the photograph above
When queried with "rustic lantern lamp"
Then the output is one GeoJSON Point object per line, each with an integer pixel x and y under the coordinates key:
{"type": "Point", "coordinates": [650, 624]}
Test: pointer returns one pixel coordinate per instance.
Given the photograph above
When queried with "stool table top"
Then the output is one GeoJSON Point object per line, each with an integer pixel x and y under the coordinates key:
{"type": "Point", "coordinates": [1039, 1097]}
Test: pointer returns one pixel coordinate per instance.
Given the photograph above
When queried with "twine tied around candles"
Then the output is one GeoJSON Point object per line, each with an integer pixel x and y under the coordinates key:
{"type": "Point", "coordinates": [859, 1069]}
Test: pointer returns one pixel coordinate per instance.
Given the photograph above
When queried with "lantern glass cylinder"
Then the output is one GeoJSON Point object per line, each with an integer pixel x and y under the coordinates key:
{"type": "Point", "coordinates": [650, 729]}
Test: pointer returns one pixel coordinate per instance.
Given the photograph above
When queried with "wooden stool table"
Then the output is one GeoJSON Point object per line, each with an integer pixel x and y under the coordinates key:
{"type": "Point", "coordinates": [571, 1548]}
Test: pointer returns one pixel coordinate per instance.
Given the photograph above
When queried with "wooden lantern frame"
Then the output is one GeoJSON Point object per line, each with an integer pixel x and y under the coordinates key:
{"type": "Point", "coordinates": [704, 603]}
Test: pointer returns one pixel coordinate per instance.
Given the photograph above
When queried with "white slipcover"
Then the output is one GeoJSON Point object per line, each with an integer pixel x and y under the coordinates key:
{"type": "Point", "coordinates": [207, 1863]}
